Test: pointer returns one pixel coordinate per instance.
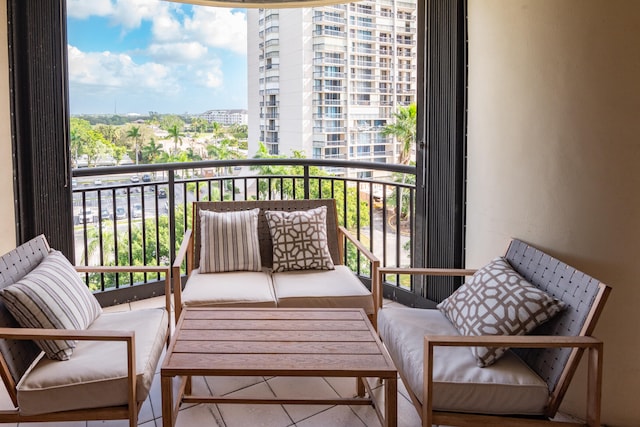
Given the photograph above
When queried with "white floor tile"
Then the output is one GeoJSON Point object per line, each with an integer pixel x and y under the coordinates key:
{"type": "Point", "coordinates": [240, 415]}
{"type": "Point", "coordinates": [337, 416]}
{"type": "Point", "coordinates": [196, 416]}
{"type": "Point", "coordinates": [302, 388]}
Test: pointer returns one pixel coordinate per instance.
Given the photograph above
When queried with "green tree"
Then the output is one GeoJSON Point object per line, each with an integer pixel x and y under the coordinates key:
{"type": "Point", "coordinates": [134, 133]}
{"type": "Point", "coordinates": [85, 140]}
{"type": "Point", "coordinates": [404, 130]}
{"type": "Point", "coordinates": [223, 150]}
{"type": "Point", "coordinates": [151, 152]}
{"type": "Point", "coordinates": [175, 132]}
{"type": "Point", "coordinates": [170, 120]}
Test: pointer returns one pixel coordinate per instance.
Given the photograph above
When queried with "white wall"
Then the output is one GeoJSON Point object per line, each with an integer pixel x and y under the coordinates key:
{"type": "Point", "coordinates": [7, 216]}
{"type": "Point", "coordinates": [554, 157]}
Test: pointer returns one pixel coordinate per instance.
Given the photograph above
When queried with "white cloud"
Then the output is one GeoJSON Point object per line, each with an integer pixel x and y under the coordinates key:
{"type": "Point", "coordinates": [166, 27]}
{"type": "Point", "coordinates": [130, 13]}
{"type": "Point", "coordinates": [82, 9]}
{"type": "Point", "coordinates": [219, 28]}
{"type": "Point", "coordinates": [181, 52]}
{"type": "Point", "coordinates": [115, 71]}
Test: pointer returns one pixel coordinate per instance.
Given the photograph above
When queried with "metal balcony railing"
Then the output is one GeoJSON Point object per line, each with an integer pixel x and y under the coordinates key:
{"type": "Point", "coordinates": [138, 214]}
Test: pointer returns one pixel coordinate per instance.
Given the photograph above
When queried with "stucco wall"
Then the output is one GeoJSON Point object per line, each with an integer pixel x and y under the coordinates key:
{"type": "Point", "coordinates": [554, 157]}
{"type": "Point", "coordinates": [7, 216]}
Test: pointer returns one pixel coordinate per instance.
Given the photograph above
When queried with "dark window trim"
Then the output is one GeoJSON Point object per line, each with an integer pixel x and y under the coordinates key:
{"type": "Point", "coordinates": [39, 119]}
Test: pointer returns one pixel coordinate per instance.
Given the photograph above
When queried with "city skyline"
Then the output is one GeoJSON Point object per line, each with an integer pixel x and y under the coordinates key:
{"type": "Point", "coordinates": [136, 56]}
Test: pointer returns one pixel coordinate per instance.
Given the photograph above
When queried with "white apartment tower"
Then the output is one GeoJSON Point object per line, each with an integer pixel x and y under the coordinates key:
{"type": "Point", "coordinates": [326, 80]}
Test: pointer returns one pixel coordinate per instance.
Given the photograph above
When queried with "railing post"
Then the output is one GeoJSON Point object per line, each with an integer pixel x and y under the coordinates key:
{"type": "Point", "coordinates": [306, 182]}
{"type": "Point", "coordinates": [172, 217]}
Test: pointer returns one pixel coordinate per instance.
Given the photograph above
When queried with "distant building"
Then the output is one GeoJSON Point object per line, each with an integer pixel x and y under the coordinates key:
{"type": "Point", "coordinates": [327, 80]}
{"type": "Point", "coordinates": [226, 117]}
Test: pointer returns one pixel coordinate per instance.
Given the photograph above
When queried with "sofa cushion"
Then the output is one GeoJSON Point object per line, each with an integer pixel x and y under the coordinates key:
{"type": "Point", "coordinates": [299, 239]}
{"type": "Point", "coordinates": [507, 387]}
{"type": "Point", "coordinates": [229, 241]}
{"type": "Point", "coordinates": [238, 289]}
{"type": "Point", "coordinates": [52, 296]}
{"type": "Point", "coordinates": [497, 300]}
{"type": "Point", "coordinates": [338, 288]}
{"type": "Point", "coordinates": [96, 375]}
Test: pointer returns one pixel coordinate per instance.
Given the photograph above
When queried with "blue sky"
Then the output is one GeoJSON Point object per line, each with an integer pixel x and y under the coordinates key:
{"type": "Point", "coordinates": [136, 56]}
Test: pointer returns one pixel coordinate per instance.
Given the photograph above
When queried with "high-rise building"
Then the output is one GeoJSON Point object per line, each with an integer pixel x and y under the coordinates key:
{"type": "Point", "coordinates": [326, 80]}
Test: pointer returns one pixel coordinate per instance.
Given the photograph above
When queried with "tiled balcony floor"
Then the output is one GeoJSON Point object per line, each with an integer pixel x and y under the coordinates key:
{"type": "Point", "coordinates": [239, 415]}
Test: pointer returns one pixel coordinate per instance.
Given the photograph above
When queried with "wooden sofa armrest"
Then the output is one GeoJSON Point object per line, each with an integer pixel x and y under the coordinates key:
{"type": "Point", "coordinates": [594, 374]}
{"type": "Point", "coordinates": [185, 252]}
{"type": "Point", "coordinates": [375, 264]}
{"type": "Point", "coordinates": [83, 335]}
{"type": "Point", "coordinates": [135, 269]}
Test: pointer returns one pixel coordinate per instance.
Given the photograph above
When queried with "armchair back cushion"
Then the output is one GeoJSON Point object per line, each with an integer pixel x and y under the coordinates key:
{"type": "Point", "coordinates": [264, 235]}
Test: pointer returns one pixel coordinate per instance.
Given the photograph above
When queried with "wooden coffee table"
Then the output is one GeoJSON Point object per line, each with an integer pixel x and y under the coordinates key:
{"type": "Point", "coordinates": [276, 342]}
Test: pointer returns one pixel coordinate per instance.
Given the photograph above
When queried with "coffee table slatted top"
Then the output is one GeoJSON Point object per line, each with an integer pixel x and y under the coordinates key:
{"type": "Point", "coordinates": [282, 341]}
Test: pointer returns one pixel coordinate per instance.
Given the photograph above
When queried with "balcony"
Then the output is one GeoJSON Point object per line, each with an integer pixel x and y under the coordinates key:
{"type": "Point", "coordinates": [137, 221]}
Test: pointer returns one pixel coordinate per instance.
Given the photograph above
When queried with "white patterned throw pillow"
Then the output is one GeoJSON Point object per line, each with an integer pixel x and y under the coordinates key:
{"type": "Point", "coordinates": [299, 240]}
{"type": "Point", "coordinates": [497, 300]}
{"type": "Point", "coordinates": [52, 296]}
{"type": "Point", "coordinates": [229, 241]}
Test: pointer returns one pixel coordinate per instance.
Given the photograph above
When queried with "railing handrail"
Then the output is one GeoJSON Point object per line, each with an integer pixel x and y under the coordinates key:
{"type": "Point", "coordinates": [154, 167]}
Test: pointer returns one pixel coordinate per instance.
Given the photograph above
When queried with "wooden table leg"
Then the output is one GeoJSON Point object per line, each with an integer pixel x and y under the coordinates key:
{"type": "Point", "coordinates": [391, 402]}
{"type": "Point", "coordinates": [360, 386]}
{"type": "Point", "coordinates": [187, 387]}
{"type": "Point", "coordinates": [166, 385]}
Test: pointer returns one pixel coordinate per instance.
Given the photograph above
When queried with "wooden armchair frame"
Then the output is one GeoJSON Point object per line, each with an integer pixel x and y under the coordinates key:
{"type": "Point", "coordinates": [37, 248]}
{"type": "Point", "coordinates": [577, 343]}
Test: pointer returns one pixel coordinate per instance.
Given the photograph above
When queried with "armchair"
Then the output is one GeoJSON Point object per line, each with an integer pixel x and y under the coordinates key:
{"type": "Point", "coordinates": [108, 376]}
{"type": "Point", "coordinates": [523, 388]}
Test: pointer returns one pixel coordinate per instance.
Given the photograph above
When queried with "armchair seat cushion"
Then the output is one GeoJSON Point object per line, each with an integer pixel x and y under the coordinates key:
{"type": "Point", "coordinates": [507, 387]}
{"type": "Point", "coordinates": [338, 288]}
{"type": "Point", "coordinates": [96, 375]}
{"type": "Point", "coordinates": [236, 289]}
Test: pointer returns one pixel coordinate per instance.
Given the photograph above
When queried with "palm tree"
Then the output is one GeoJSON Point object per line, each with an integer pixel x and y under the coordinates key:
{"type": "Point", "coordinates": [223, 151]}
{"type": "Point", "coordinates": [151, 152]}
{"type": "Point", "coordinates": [404, 129]}
{"type": "Point", "coordinates": [134, 133]}
{"type": "Point", "coordinates": [176, 133]}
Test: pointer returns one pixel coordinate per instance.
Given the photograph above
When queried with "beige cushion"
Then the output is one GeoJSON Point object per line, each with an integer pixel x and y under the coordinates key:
{"type": "Point", "coordinates": [229, 241]}
{"type": "Point", "coordinates": [299, 239]}
{"type": "Point", "coordinates": [497, 300]}
{"type": "Point", "coordinates": [238, 288]}
{"type": "Point", "coordinates": [96, 375]}
{"type": "Point", "coordinates": [338, 288]}
{"type": "Point", "coordinates": [508, 386]}
{"type": "Point", "coordinates": [52, 296]}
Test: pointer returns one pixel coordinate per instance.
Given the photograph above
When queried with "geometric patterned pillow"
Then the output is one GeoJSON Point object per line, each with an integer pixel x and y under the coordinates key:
{"type": "Point", "coordinates": [497, 300]}
{"type": "Point", "coordinates": [299, 240]}
{"type": "Point", "coordinates": [52, 296]}
{"type": "Point", "coordinates": [229, 241]}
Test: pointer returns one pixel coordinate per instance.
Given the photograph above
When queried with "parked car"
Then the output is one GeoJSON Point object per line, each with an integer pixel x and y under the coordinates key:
{"type": "Point", "coordinates": [85, 216]}
{"type": "Point", "coordinates": [162, 193]}
{"type": "Point", "coordinates": [105, 215]}
{"type": "Point", "coordinates": [146, 177]}
{"type": "Point", "coordinates": [121, 213]}
{"type": "Point", "coordinates": [137, 211]}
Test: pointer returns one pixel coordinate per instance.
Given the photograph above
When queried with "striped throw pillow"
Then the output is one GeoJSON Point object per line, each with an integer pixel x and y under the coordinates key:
{"type": "Point", "coordinates": [52, 296]}
{"type": "Point", "coordinates": [229, 241]}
